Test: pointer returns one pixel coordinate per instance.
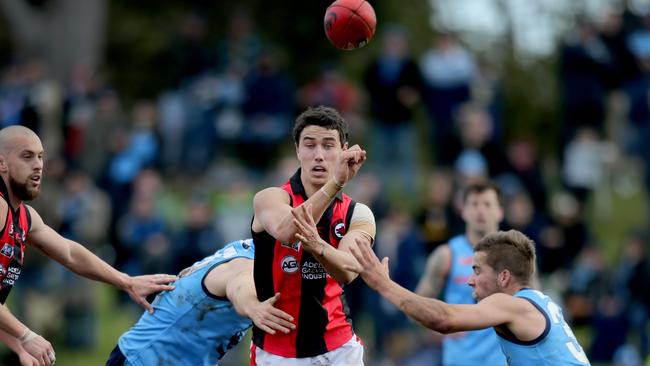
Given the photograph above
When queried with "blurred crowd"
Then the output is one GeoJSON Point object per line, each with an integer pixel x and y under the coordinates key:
{"type": "Point", "coordinates": [157, 184]}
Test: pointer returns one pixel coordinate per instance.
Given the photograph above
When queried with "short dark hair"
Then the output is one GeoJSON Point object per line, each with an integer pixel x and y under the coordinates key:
{"type": "Point", "coordinates": [480, 187]}
{"type": "Point", "coordinates": [509, 250]}
{"type": "Point", "coordinates": [322, 116]}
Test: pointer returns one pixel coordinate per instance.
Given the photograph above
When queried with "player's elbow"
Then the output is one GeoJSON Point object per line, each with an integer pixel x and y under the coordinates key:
{"type": "Point", "coordinates": [439, 322]}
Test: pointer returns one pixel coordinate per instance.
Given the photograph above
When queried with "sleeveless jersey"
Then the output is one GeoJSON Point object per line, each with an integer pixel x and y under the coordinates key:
{"type": "Point", "coordinates": [309, 293]}
{"type": "Point", "coordinates": [189, 326]}
{"type": "Point", "coordinates": [477, 347]}
{"type": "Point", "coordinates": [555, 346]}
{"type": "Point", "coordinates": [12, 244]}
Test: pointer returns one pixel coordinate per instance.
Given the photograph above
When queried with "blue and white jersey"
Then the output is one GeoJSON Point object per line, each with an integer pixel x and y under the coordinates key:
{"type": "Point", "coordinates": [477, 347]}
{"type": "Point", "coordinates": [189, 326]}
{"type": "Point", "coordinates": [555, 346]}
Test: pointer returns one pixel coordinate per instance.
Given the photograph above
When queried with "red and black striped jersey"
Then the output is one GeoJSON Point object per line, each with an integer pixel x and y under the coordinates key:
{"type": "Point", "coordinates": [308, 292]}
{"type": "Point", "coordinates": [12, 244]}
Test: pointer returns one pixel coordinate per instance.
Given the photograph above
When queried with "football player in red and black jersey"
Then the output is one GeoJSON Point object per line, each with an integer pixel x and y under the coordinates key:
{"type": "Point", "coordinates": [21, 169]}
{"type": "Point", "coordinates": [308, 268]}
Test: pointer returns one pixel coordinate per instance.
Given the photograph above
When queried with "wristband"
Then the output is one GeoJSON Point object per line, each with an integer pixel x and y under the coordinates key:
{"type": "Point", "coordinates": [331, 188]}
{"type": "Point", "coordinates": [27, 336]}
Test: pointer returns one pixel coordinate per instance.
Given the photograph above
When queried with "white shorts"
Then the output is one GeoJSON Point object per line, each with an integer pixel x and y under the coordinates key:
{"type": "Point", "coordinates": [349, 354]}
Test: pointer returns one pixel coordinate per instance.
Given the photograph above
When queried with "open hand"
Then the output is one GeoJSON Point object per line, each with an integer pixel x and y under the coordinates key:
{"type": "Point", "coordinates": [372, 271]}
{"type": "Point", "coordinates": [140, 287]}
{"type": "Point", "coordinates": [271, 319]}
{"type": "Point", "coordinates": [306, 232]}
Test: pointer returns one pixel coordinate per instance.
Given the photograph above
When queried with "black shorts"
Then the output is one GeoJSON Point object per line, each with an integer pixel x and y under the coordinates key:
{"type": "Point", "coordinates": [116, 358]}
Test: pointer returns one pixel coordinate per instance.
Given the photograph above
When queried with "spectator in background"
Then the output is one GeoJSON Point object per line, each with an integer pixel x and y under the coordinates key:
{"type": "Point", "coordinates": [84, 215]}
{"type": "Point", "coordinates": [524, 164]}
{"type": "Point", "coordinates": [394, 84]}
{"type": "Point", "coordinates": [188, 54]}
{"type": "Point", "coordinates": [586, 65]}
{"type": "Point", "coordinates": [108, 117]}
{"type": "Point", "coordinates": [79, 108]}
{"type": "Point", "coordinates": [267, 109]}
{"type": "Point", "coordinates": [583, 163]}
{"type": "Point", "coordinates": [437, 219]}
{"type": "Point", "coordinates": [477, 139]}
{"type": "Point", "coordinates": [632, 275]}
{"type": "Point", "coordinates": [198, 235]}
{"type": "Point", "coordinates": [143, 235]}
{"type": "Point", "coordinates": [566, 238]}
{"type": "Point", "coordinates": [241, 47]}
{"type": "Point", "coordinates": [448, 70]}
{"type": "Point", "coordinates": [522, 215]}
{"type": "Point", "coordinates": [332, 88]}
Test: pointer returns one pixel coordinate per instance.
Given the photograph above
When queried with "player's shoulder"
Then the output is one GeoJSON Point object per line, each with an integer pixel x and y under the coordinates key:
{"type": "Point", "coordinates": [238, 248]}
{"type": "Point", "coordinates": [4, 209]}
{"type": "Point", "coordinates": [440, 259]}
{"type": "Point", "coordinates": [361, 210]}
{"type": "Point", "coordinates": [441, 251]}
{"type": "Point", "coordinates": [271, 193]}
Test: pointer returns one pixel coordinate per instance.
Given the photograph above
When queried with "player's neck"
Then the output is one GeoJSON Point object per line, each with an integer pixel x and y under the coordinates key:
{"type": "Point", "coordinates": [474, 236]}
{"type": "Point", "coordinates": [12, 199]}
{"type": "Point", "coordinates": [15, 202]}
{"type": "Point", "coordinates": [310, 189]}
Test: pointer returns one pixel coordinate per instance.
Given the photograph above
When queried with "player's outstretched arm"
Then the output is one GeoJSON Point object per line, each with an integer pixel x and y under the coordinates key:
{"type": "Point", "coordinates": [83, 262]}
{"type": "Point", "coordinates": [494, 310]}
{"type": "Point", "coordinates": [240, 290]}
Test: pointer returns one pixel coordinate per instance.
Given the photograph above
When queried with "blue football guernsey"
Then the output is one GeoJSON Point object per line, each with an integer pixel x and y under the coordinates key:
{"type": "Point", "coordinates": [471, 348]}
{"type": "Point", "coordinates": [555, 346]}
{"type": "Point", "coordinates": [189, 326]}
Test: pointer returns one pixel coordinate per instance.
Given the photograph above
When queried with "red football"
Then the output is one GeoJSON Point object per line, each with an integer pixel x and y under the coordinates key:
{"type": "Point", "coordinates": [350, 24]}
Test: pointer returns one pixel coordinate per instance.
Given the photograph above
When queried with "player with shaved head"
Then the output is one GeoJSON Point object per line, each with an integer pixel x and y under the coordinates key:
{"type": "Point", "coordinates": [21, 169]}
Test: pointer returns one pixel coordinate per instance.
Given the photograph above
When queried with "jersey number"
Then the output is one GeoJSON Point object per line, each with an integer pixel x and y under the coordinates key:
{"type": "Point", "coordinates": [572, 344]}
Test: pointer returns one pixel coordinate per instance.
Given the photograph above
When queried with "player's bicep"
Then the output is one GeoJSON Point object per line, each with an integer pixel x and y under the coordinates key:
{"type": "Point", "coordinates": [362, 228]}
{"type": "Point", "coordinates": [271, 205]}
{"type": "Point", "coordinates": [363, 221]}
{"type": "Point", "coordinates": [46, 239]}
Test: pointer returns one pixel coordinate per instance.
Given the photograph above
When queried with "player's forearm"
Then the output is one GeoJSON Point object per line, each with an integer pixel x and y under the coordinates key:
{"type": "Point", "coordinates": [431, 313]}
{"type": "Point", "coordinates": [10, 324]}
{"type": "Point", "coordinates": [10, 341]}
{"type": "Point", "coordinates": [84, 263]}
{"type": "Point", "coordinates": [241, 292]}
{"type": "Point", "coordinates": [285, 230]}
{"type": "Point", "coordinates": [334, 261]}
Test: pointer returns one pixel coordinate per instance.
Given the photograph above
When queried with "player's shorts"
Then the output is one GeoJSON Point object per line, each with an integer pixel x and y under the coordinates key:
{"type": "Point", "coordinates": [349, 354]}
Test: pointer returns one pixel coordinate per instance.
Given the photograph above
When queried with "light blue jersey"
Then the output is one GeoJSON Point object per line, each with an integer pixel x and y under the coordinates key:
{"type": "Point", "coordinates": [189, 326]}
{"type": "Point", "coordinates": [477, 347]}
{"type": "Point", "coordinates": [556, 346]}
